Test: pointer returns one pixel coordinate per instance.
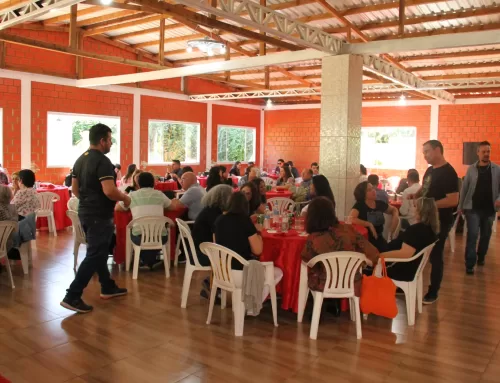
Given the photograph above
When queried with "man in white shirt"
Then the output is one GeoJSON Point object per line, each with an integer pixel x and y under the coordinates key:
{"type": "Point", "coordinates": [407, 210]}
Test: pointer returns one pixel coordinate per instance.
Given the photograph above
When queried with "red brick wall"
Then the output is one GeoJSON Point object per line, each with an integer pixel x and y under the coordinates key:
{"type": "Point", "coordinates": [10, 102]}
{"type": "Point", "coordinates": [463, 123]}
{"type": "Point", "coordinates": [227, 115]}
{"type": "Point", "coordinates": [156, 108]}
{"type": "Point", "coordinates": [294, 134]}
{"type": "Point", "coordinates": [65, 99]}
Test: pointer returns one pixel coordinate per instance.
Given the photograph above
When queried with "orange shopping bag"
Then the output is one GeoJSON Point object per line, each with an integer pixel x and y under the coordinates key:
{"type": "Point", "coordinates": [378, 294]}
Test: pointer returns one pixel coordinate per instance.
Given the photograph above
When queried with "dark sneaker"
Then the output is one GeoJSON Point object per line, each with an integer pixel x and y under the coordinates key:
{"type": "Point", "coordinates": [77, 305]}
{"type": "Point", "coordinates": [469, 271]}
{"type": "Point", "coordinates": [113, 292]}
{"type": "Point", "coordinates": [429, 299]}
{"type": "Point", "coordinates": [480, 263]}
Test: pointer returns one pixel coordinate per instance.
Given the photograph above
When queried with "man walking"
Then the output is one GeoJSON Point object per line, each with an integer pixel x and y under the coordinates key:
{"type": "Point", "coordinates": [441, 183]}
{"type": "Point", "coordinates": [94, 184]}
{"type": "Point", "coordinates": [479, 198]}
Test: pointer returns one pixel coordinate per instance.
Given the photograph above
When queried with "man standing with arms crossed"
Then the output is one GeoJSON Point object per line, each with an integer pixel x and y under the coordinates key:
{"type": "Point", "coordinates": [441, 183]}
{"type": "Point", "coordinates": [94, 184]}
{"type": "Point", "coordinates": [479, 199]}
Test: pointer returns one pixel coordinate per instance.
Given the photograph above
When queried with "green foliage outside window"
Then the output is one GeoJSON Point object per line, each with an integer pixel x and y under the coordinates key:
{"type": "Point", "coordinates": [173, 141]}
{"type": "Point", "coordinates": [80, 126]}
{"type": "Point", "coordinates": [235, 144]}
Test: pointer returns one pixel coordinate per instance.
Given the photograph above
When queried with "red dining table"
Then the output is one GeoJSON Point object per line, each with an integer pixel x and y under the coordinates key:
{"type": "Point", "coordinates": [60, 207]}
{"type": "Point", "coordinates": [166, 186]}
{"type": "Point", "coordinates": [284, 250]}
{"type": "Point", "coordinates": [202, 181]}
{"type": "Point", "coordinates": [396, 204]}
{"type": "Point", "coordinates": [122, 219]}
{"type": "Point", "coordinates": [275, 193]}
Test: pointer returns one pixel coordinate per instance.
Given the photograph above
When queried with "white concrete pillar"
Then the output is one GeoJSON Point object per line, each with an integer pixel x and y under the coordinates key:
{"type": "Point", "coordinates": [136, 132]}
{"type": "Point", "coordinates": [340, 133]}
{"type": "Point", "coordinates": [25, 123]}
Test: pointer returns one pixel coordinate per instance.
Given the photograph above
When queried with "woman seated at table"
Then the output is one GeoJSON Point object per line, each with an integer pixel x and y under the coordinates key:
{"type": "Point", "coordinates": [253, 197]}
{"type": "Point", "coordinates": [416, 238]}
{"type": "Point", "coordinates": [369, 212]}
{"type": "Point", "coordinates": [260, 185]}
{"type": "Point", "coordinates": [15, 183]}
{"type": "Point", "coordinates": [224, 176]}
{"type": "Point", "coordinates": [8, 212]}
{"type": "Point", "coordinates": [214, 177]}
{"type": "Point", "coordinates": [26, 200]}
{"type": "Point", "coordinates": [235, 170]}
{"type": "Point", "coordinates": [214, 203]}
{"type": "Point", "coordinates": [128, 178]}
{"type": "Point", "coordinates": [251, 173]}
{"type": "Point", "coordinates": [320, 187]}
{"type": "Point", "coordinates": [235, 230]}
{"type": "Point", "coordinates": [135, 184]}
{"type": "Point", "coordinates": [286, 179]}
{"type": "Point", "coordinates": [327, 234]}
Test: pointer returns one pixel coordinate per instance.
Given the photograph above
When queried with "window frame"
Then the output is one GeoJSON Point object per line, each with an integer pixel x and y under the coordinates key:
{"type": "Point", "coordinates": [90, 116]}
{"type": "Point", "coordinates": [176, 122]}
{"type": "Point", "coordinates": [2, 138]}
{"type": "Point", "coordinates": [254, 129]}
{"type": "Point", "coordinates": [369, 166]}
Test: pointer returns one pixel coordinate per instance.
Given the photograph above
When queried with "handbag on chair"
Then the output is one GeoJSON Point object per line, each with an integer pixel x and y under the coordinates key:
{"type": "Point", "coordinates": [378, 294]}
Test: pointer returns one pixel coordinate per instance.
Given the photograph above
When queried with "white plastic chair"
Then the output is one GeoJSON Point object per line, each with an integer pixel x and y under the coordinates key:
{"type": "Point", "coordinates": [178, 245]}
{"type": "Point", "coordinates": [284, 204]}
{"type": "Point", "coordinates": [79, 234]}
{"type": "Point", "coordinates": [341, 268]}
{"type": "Point", "coordinates": [150, 228]}
{"type": "Point", "coordinates": [413, 290]}
{"type": "Point", "coordinates": [223, 278]}
{"type": "Point", "coordinates": [73, 203]}
{"type": "Point", "coordinates": [453, 231]}
{"type": "Point", "coordinates": [189, 248]}
{"type": "Point", "coordinates": [6, 229]}
{"type": "Point", "coordinates": [46, 209]}
{"type": "Point", "coordinates": [268, 181]}
{"type": "Point", "coordinates": [387, 228]}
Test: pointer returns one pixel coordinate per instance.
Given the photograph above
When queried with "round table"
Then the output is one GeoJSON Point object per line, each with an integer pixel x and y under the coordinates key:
{"type": "Point", "coordinates": [284, 250]}
{"type": "Point", "coordinates": [275, 193]}
{"type": "Point", "coordinates": [122, 219]}
{"type": "Point", "coordinates": [166, 186]}
{"type": "Point", "coordinates": [273, 176]}
{"type": "Point", "coordinates": [60, 208]}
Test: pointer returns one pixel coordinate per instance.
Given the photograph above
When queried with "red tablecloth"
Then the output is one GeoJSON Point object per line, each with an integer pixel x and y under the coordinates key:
{"type": "Point", "coordinates": [167, 185]}
{"type": "Point", "coordinates": [60, 208]}
{"type": "Point", "coordinates": [202, 181]}
{"type": "Point", "coordinates": [396, 204]}
{"type": "Point", "coordinates": [122, 219]}
{"type": "Point", "coordinates": [274, 194]}
{"type": "Point", "coordinates": [284, 250]}
{"type": "Point", "coordinates": [273, 176]}
{"type": "Point", "coordinates": [235, 180]}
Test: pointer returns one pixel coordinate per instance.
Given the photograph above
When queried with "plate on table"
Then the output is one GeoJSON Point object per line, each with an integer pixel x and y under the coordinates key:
{"type": "Point", "coordinates": [272, 231]}
{"type": "Point", "coordinates": [303, 234]}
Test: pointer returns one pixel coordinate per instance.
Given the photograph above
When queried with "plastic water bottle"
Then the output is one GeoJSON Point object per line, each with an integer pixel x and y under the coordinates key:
{"type": "Point", "coordinates": [267, 219]}
{"type": "Point", "coordinates": [284, 222]}
{"type": "Point", "coordinates": [276, 214]}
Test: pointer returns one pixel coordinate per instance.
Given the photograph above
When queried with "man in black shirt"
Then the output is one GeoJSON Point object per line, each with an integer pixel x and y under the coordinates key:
{"type": "Point", "coordinates": [94, 184]}
{"type": "Point", "coordinates": [441, 183]}
{"type": "Point", "coordinates": [479, 198]}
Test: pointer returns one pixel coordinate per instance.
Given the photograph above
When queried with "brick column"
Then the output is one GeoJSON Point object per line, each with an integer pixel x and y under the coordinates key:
{"type": "Point", "coordinates": [340, 132]}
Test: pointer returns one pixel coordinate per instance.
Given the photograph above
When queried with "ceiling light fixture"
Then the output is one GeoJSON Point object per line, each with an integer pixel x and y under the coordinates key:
{"type": "Point", "coordinates": [269, 103]}
{"type": "Point", "coordinates": [106, 2]}
{"type": "Point", "coordinates": [402, 100]}
{"type": "Point", "coordinates": [207, 46]}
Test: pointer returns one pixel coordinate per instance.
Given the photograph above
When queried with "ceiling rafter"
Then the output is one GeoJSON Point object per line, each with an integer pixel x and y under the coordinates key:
{"type": "Point", "coordinates": [434, 56]}
{"type": "Point", "coordinates": [66, 17]}
{"type": "Point", "coordinates": [467, 65]}
{"type": "Point", "coordinates": [386, 6]}
{"type": "Point", "coordinates": [103, 26]}
{"type": "Point", "coordinates": [105, 18]}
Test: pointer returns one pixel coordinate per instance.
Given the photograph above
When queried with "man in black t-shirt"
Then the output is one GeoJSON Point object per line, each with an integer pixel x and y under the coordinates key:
{"type": "Point", "coordinates": [479, 198]}
{"type": "Point", "coordinates": [440, 182]}
{"type": "Point", "coordinates": [94, 183]}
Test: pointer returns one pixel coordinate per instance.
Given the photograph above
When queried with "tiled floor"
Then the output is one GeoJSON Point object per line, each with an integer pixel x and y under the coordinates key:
{"type": "Point", "coordinates": [147, 337]}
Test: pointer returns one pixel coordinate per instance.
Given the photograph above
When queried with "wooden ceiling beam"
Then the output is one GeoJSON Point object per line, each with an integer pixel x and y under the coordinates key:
{"type": "Point", "coordinates": [386, 6]}
{"type": "Point", "coordinates": [492, 64]}
{"type": "Point", "coordinates": [461, 76]}
{"type": "Point", "coordinates": [116, 5]}
{"type": "Point", "coordinates": [124, 22]}
{"type": "Point", "coordinates": [65, 17]}
{"type": "Point", "coordinates": [434, 56]}
{"type": "Point", "coordinates": [147, 31]}
{"type": "Point", "coordinates": [169, 41]}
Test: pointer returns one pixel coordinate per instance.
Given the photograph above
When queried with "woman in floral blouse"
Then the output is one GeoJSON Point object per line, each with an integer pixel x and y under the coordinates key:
{"type": "Point", "coordinates": [26, 200]}
{"type": "Point", "coordinates": [327, 234]}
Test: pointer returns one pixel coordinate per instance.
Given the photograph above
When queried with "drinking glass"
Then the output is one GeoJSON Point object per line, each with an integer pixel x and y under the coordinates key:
{"type": "Point", "coordinates": [348, 220]}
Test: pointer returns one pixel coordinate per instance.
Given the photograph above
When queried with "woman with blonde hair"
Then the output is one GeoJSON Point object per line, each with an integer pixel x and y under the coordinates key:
{"type": "Point", "coordinates": [416, 238]}
{"type": "Point", "coordinates": [135, 184]}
